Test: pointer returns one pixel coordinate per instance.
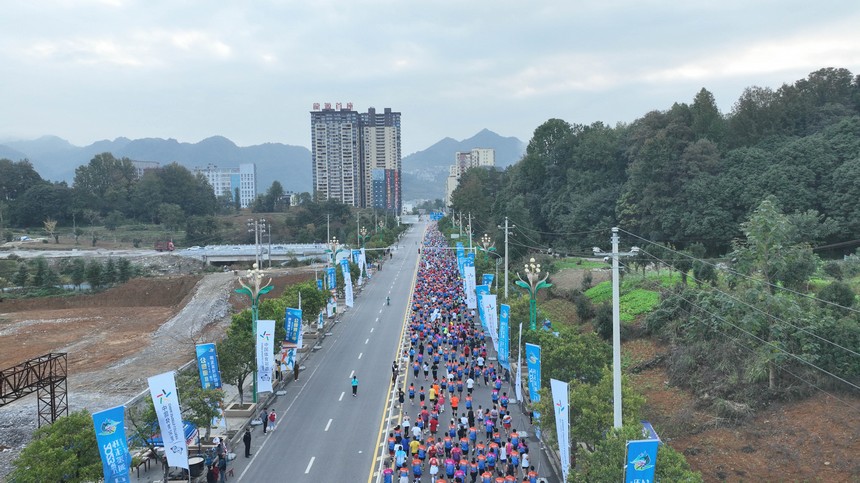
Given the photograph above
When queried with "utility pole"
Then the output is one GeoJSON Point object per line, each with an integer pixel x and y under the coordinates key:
{"type": "Point", "coordinates": [507, 228]}
{"type": "Point", "coordinates": [470, 230]}
{"type": "Point", "coordinates": [357, 229]}
{"type": "Point", "coordinates": [616, 324]}
{"type": "Point", "coordinates": [327, 228]}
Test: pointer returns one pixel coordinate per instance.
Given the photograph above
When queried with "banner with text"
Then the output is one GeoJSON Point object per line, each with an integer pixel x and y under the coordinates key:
{"type": "Point", "coordinates": [491, 311]}
{"type": "Point", "coordinates": [505, 336]}
{"type": "Point", "coordinates": [348, 296]}
{"type": "Point", "coordinates": [641, 460]}
{"type": "Point", "coordinates": [162, 389]}
{"type": "Point", "coordinates": [562, 422]}
{"type": "Point", "coordinates": [469, 287]}
{"type": "Point", "coordinates": [113, 445]}
{"type": "Point", "coordinates": [265, 354]}
{"type": "Point", "coordinates": [533, 364]}
{"type": "Point", "coordinates": [480, 291]}
{"type": "Point", "coordinates": [487, 279]}
{"type": "Point", "coordinates": [331, 278]}
{"type": "Point", "coordinates": [292, 324]}
{"type": "Point", "coordinates": [519, 381]}
{"type": "Point", "coordinates": [207, 365]}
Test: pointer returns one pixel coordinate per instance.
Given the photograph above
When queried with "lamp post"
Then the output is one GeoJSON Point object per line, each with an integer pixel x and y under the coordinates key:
{"type": "Point", "coordinates": [258, 228]}
{"type": "Point", "coordinates": [253, 289]}
{"type": "Point", "coordinates": [616, 324]}
{"type": "Point", "coordinates": [363, 235]}
{"type": "Point", "coordinates": [488, 246]}
{"type": "Point", "coordinates": [534, 284]}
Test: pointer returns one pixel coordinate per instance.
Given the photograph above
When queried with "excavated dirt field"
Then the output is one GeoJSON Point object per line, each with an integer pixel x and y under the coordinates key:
{"type": "Point", "coordinates": [115, 339]}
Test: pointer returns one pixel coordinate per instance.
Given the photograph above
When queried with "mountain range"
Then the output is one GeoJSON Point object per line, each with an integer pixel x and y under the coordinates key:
{"type": "Point", "coordinates": [424, 172]}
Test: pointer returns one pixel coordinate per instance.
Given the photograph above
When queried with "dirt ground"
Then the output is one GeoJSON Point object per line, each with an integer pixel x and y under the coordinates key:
{"type": "Point", "coordinates": [116, 339]}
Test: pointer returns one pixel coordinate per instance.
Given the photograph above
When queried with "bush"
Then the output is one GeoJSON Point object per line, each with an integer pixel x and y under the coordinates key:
{"type": "Point", "coordinates": [834, 269]}
{"type": "Point", "coordinates": [839, 293]}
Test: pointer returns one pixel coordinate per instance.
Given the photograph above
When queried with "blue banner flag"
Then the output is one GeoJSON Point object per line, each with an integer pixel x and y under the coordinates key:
{"type": "Point", "coordinates": [207, 365]}
{"type": "Point", "coordinates": [487, 279]}
{"type": "Point", "coordinates": [293, 324]}
{"type": "Point", "coordinates": [461, 251]}
{"type": "Point", "coordinates": [505, 336]}
{"type": "Point", "coordinates": [356, 254]}
{"type": "Point", "coordinates": [533, 364]}
{"type": "Point", "coordinates": [461, 263]}
{"type": "Point", "coordinates": [331, 277]}
{"type": "Point", "coordinates": [641, 460]}
{"type": "Point", "coordinates": [113, 445]}
{"type": "Point", "coordinates": [470, 259]}
{"type": "Point", "coordinates": [479, 291]}
{"type": "Point", "coordinates": [319, 284]}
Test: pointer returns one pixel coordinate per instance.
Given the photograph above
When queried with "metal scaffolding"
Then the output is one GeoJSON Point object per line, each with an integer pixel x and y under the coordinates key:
{"type": "Point", "coordinates": [45, 375]}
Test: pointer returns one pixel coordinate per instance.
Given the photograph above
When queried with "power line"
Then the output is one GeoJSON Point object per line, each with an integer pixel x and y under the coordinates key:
{"type": "Point", "coordinates": [598, 230]}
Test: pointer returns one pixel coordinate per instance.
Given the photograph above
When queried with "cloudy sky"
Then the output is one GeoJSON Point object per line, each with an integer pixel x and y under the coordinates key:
{"type": "Point", "coordinates": [87, 70]}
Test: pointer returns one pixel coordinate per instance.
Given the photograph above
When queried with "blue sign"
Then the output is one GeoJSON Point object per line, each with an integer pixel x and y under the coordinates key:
{"type": "Point", "coordinates": [344, 266]}
{"type": "Point", "coordinates": [331, 277]}
{"type": "Point", "coordinates": [533, 364]}
{"type": "Point", "coordinates": [113, 445]}
{"type": "Point", "coordinates": [481, 290]}
{"type": "Point", "coordinates": [505, 336]}
{"type": "Point", "coordinates": [470, 260]}
{"type": "Point", "coordinates": [487, 279]}
{"type": "Point", "coordinates": [207, 365]}
{"type": "Point", "coordinates": [319, 284]}
{"type": "Point", "coordinates": [292, 323]}
{"type": "Point", "coordinates": [461, 251]}
{"type": "Point", "coordinates": [356, 254]}
{"type": "Point", "coordinates": [641, 461]}
{"type": "Point", "coordinates": [461, 261]}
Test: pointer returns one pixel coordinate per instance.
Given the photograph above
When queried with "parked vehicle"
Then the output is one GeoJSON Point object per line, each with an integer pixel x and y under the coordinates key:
{"type": "Point", "coordinates": [164, 246]}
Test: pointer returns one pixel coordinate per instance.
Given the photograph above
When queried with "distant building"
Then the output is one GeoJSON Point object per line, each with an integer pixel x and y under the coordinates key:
{"type": "Point", "coordinates": [356, 156]}
{"type": "Point", "coordinates": [141, 167]}
{"type": "Point", "coordinates": [464, 161]}
{"type": "Point", "coordinates": [224, 181]}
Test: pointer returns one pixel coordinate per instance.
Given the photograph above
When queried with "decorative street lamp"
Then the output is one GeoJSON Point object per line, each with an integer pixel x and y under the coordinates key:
{"type": "Point", "coordinates": [534, 284]}
{"type": "Point", "coordinates": [363, 235]}
{"type": "Point", "coordinates": [253, 289]}
{"type": "Point", "coordinates": [488, 245]}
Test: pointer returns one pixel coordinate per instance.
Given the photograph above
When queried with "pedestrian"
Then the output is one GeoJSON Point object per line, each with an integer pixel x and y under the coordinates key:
{"type": "Point", "coordinates": [264, 417]}
{"type": "Point", "coordinates": [394, 372]}
{"type": "Point", "coordinates": [401, 396]}
{"type": "Point", "coordinates": [247, 440]}
{"type": "Point", "coordinates": [212, 474]}
{"type": "Point", "coordinates": [272, 418]}
{"type": "Point", "coordinates": [354, 386]}
{"type": "Point", "coordinates": [222, 468]}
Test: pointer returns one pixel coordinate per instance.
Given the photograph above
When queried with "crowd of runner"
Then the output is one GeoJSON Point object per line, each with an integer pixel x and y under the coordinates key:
{"type": "Point", "coordinates": [455, 435]}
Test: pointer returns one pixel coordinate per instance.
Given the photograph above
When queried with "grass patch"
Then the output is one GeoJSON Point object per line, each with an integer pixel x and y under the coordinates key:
{"type": "Point", "coordinates": [637, 302]}
{"type": "Point", "coordinates": [579, 263]}
{"type": "Point", "coordinates": [559, 310]}
{"type": "Point", "coordinates": [602, 292]}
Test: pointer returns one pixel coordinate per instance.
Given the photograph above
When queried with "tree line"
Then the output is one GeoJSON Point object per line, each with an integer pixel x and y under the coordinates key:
{"type": "Point", "coordinates": [689, 174]}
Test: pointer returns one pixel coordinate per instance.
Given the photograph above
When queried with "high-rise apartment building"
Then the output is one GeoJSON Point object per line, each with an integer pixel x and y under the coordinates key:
{"type": "Point", "coordinates": [464, 161]}
{"type": "Point", "coordinates": [225, 181]}
{"type": "Point", "coordinates": [356, 156]}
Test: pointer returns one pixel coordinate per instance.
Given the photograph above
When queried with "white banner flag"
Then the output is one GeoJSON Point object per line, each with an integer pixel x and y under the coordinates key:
{"type": "Point", "coordinates": [491, 312]}
{"type": "Point", "coordinates": [162, 388]}
{"type": "Point", "coordinates": [519, 381]}
{"type": "Point", "coordinates": [265, 354]}
{"type": "Point", "coordinates": [469, 287]}
{"type": "Point", "coordinates": [301, 336]}
{"type": "Point", "coordinates": [349, 298]}
{"type": "Point", "coordinates": [562, 423]}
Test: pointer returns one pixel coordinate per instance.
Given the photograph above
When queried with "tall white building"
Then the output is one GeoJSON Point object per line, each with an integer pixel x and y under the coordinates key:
{"type": "Point", "coordinates": [225, 181]}
{"type": "Point", "coordinates": [464, 161]}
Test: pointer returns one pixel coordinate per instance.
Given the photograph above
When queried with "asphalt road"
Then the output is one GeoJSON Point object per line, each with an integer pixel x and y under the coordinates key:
{"type": "Point", "coordinates": [324, 434]}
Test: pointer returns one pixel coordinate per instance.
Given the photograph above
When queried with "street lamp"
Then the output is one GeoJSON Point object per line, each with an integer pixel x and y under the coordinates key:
{"type": "Point", "coordinates": [534, 284]}
{"type": "Point", "coordinates": [488, 245]}
{"type": "Point", "coordinates": [253, 289]}
{"type": "Point", "coordinates": [363, 235]}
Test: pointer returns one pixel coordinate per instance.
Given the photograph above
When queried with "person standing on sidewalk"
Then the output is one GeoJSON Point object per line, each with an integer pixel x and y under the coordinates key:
{"type": "Point", "coordinates": [272, 420]}
{"type": "Point", "coordinates": [264, 417]}
{"type": "Point", "coordinates": [354, 386]}
{"type": "Point", "coordinates": [247, 440]}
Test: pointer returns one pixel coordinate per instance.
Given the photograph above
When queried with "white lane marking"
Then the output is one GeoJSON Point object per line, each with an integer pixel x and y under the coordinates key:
{"type": "Point", "coordinates": [310, 463]}
{"type": "Point", "coordinates": [360, 354]}
{"type": "Point", "coordinates": [366, 341]}
{"type": "Point", "coordinates": [351, 374]}
{"type": "Point", "coordinates": [341, 396]}
{"type": "Point", "coordinates": [371, 330]}
{"type": "Point", "coordinates": [329, 421]}
{"type": "Point", "coordinates": [377, 319]}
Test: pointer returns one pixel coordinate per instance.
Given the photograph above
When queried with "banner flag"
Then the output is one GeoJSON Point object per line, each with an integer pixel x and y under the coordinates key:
{"type": "Point", "coordinates": [292, 324]}
{"type": "Point", "coordinates": [356, 253]}
{"type": "Point", "coordinates": [491, 312]}
{"type": "Point", "coordinates": [641, 460]}
{"type": "Point", "coordinates": [299, 341]}
{"type": "Point", "coordinates": [487, 279]}
{"type": "Point", "coordinates": [461, 264]}
{"type": "Point", "coordinates": [562, 423]}
{"type": "Point", "coordinates": [435, 315]}
{"type": "Point", "coordinates": [331, 278]}
{"type": "Point", "coordinates": [290, 359]}
{"type": "Point", "coordinates": [265, 354]}
{"type": "Point", "coordinates": [505, 336]}
{"type": "Point", "coordinates": [113, 445]}
{"type": "Point", "coordinates": [320, 321]}
{"type": "Point", "coordinates": [461, 250]}
{"type": "Point", "coordinates": [469, 288]}
{"type": "Point", "coordinates": [533, 364]}
{"type": "Point", "coordinates": [349, 298]}
{"type": "Point", "coordinates": [481, 290]}
{"type": "Point", "coordinates": [519, 381]}
{"type": "Point", "coordinates": [329, 308]}
{"type": "Point", "coordinates": [162, 389]}
{"type": "Point", "coordinates": [319, 284]}
{"type": "Point", "coordinates": [362, 261]}
{"type": "Point", "coordinates": [207, 366]}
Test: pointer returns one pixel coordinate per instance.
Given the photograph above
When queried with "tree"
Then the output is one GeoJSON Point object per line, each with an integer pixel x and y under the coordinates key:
{"type": "Point", "coordinates": [113, 220]}
{"type": "Point", "coordinates": [839, 293]}
{"type": "Point", "coordinates": [201, 230]}
{"type": "Point", "coordinates": [109, 276]}
{"type": "Point", "coordinates": [64, 451]}
{"type": "Point", "coordinates": [51, 229]}
{"type": "Point", "coordinates": [22, 275]}
{"type": "Point", "coordinates": [93, 274]}
{"type": "Point", "coordinates": [105, 184]}
{"type": "Point", "coordinates": [124, 269]}
{"type": "Point", "coordinates": [78, 272]}
{"type": "Point", "coordinates": [236, 353]}
{"type": "Point", "coordinates": [44, 276]}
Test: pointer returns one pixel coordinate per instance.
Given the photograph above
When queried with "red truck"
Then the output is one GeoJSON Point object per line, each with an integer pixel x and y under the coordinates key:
{"type": "Point", "coordinates": [163, 246]}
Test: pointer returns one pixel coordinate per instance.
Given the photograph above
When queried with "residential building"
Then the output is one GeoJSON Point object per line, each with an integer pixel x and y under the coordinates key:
{"type": "Point", "coordinates": [225, 181]}
{"type": "Point", "coordinates": [356, 156]}
{"type": "Point", "coordinates": [464, 161]}
{"type": "Point", "coordinates": [141, 167]}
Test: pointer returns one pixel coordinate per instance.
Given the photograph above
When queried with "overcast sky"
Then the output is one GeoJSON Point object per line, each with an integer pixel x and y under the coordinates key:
{"type": "Point", "coordinates": [87, 70]}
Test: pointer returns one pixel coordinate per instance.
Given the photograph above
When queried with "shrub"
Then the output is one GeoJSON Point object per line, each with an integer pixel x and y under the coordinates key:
{"type": "Point", "coordinates": [834, 269]}
{"type": "Point", "coordinates": [839, 293]}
